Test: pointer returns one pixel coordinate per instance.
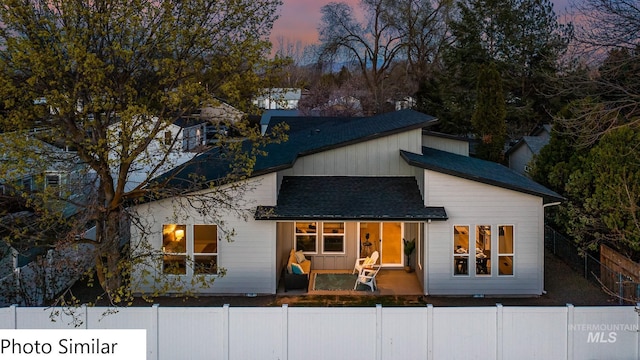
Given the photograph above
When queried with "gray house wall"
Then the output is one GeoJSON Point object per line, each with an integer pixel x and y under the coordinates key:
{"type": "Point", "coordinates": [472, 203]}
{"type": "Point", "coordinates": [519, 159]}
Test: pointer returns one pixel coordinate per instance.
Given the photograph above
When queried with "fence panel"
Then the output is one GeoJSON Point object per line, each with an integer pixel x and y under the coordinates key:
{"type": "Point", "coordinates": [534, 333]}
{"type": "Point", "coordinates": [605, 333]}
{"type": "Point", "coordinates": [193, 333]}
{"type": "Point", "coordinates": [49, 318]}
{"type": "Point", "coordinates": [464, 333]}
{"type": "Point", "coordinates": [404, 333]}
{"type": "Point", "coordinates": [7, 318]}
{"type": "Point", "coordinates": [256, 333]}
{"type": "Point", "coordinates": [332, 333]}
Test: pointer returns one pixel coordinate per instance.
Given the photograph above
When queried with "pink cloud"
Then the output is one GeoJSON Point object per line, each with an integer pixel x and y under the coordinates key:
{"type": "Point", "coordinates": [299, 19]}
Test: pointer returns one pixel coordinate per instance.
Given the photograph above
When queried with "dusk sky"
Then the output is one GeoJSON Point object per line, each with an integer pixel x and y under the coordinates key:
{"type": "Point", "coordinates": [299, 19]}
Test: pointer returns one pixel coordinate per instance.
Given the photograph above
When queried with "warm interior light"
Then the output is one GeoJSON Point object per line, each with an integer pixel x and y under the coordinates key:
{"type": "Point", "coordinates": [179, 234]}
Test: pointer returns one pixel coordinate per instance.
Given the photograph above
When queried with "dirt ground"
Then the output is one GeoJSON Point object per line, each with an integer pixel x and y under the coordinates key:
{"type": "Point", "coordinates": [563, 286]}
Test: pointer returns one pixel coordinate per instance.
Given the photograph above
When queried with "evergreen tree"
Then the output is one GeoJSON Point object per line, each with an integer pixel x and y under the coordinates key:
{"type": "Point", "coordinates": [488, 118]}
{"type": "Point", "coordinates": [523, 39]}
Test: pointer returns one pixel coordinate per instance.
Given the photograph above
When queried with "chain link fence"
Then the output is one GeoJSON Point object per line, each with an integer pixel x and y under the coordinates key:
{"type": "Point", "coordinates": [614, 283]}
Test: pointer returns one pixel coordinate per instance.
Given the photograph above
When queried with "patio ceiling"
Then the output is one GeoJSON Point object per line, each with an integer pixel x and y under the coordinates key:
{"type": "Point", "coordinates": [350, 198]}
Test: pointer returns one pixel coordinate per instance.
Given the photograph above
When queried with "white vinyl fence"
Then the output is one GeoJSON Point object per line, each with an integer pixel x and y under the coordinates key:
{"type": "Point", "coordinates": [293, 333]}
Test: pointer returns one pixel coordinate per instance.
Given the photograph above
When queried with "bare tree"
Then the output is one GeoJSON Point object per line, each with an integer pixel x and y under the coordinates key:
{"type": "Point", "coordinates": [607, 45]}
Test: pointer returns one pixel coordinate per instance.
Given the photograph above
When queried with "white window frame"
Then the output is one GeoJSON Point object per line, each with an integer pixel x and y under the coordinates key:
{"type": "Point", "coordinates": [512, 254]}
{"type": "Point", "coordinates": [296, 234]}
{"type": "Point", "coordinates": [454, 254]}
{"type": "Point", "coordinates": [185, 254]}
{"type": "Point", "coordinates": [475, 240]}
{"type": "Point", "coordinates": [343, 235]}
{"type": "Point", "coordinates": [194, 253]}
{"type": "Point", "coordinates": [190, 254]}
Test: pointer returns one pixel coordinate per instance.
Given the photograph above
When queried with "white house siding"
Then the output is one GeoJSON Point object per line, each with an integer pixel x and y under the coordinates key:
{"type": "Point", "coordinates": [455, 146]}
{"type": "Point", "coordinates": [377, 157]}
{"type": "Point", "coordinates": [248, 258]}
{"type": "Point", "coordinates": [473, 203]}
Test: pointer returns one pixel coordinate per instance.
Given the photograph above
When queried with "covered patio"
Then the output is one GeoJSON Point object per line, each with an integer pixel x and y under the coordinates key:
{"type": "Point", "coordinates": [390, 282]}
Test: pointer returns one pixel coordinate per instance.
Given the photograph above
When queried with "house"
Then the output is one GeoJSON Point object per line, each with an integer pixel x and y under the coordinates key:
{"type": "Point", "coordinates": [524, 150]}
{"type": "Point", "coordinates": [278, 98]}
{"type": "Point", "coordinates": [178, 142]}
{"type": "Point", "coordinates": [341, 188]}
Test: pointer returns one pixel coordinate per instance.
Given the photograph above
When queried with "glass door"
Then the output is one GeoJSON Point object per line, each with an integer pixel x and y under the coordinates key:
{"type": "Point", "coordinates": [391, 244]}
{"type": "Point", "coordinates": [386, 238]}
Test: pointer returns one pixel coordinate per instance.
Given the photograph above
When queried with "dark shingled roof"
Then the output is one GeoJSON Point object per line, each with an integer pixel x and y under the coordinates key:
{"type": "Point", "coordinates": [321, 135]}
{"type": "Point", "coordinates": [349, 198]}
{"type": "Point", "coordinates": [478, 170]}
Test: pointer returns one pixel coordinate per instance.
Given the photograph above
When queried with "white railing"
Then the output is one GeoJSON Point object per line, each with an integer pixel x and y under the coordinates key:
{"type": "Point", "coordinates": [292, 333]}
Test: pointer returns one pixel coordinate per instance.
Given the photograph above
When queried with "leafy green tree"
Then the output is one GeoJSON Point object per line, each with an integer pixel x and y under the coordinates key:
{"type": "Point", "coordinates": [611, 210]}
{"type": "Point", "coordinates": [488, 118]}
{"type": "Point", "coordinates": [107, 78]}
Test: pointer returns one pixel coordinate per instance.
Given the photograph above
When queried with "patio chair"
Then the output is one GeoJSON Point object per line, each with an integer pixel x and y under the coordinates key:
{"type": "Point", "coordinates": [368, 277]}
{"type": "Point", "coordinates": [365, 262]}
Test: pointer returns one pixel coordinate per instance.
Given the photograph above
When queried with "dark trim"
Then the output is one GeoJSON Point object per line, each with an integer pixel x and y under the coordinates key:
{"type": "Point", "coordinates": [262, 213]}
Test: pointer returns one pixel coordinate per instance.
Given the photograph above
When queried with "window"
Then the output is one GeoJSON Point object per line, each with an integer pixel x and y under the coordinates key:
{"type": "Point", "coordinates": [26, 184]}
{"type": "Point", "coordinates": [333, 237]}
{"type": "Point", "coordinates": [505, 250]}
{"type": "Point", "coordinates": [306, 237]}
{"type": "Point", "coordinates": [174, 249]}
{"type": "Point", "coordinates": [461, 250]}
{"type": "Point", "coordinates": [205, 249]}
{"type": "Point", "coordinates": [52, 181]}
{"type": "Point", "coordinates": [483, 250]}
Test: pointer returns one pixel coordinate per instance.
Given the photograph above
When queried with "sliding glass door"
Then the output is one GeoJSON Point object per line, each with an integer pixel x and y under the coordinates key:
{"type": "Point", "coordinates": [384, 237]}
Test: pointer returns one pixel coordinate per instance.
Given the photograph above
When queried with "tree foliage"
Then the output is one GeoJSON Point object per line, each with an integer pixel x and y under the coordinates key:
{"type": "Point", "coordinates": [108, 79]}
{"type": "Point", "coordinates": [488, 118]}
{"type": "Point", "coordinates": [524, 40]}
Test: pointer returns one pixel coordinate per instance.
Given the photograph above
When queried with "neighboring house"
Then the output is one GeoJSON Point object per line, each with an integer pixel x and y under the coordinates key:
{"type": "Point", "coordinates": [523, 151]}
{"type": "Point", "coordinates": [278, 98]}
{"type": "Point", "coordinates": [181, 141]}
{"type": "Point", "coordinates": [479, 227]}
